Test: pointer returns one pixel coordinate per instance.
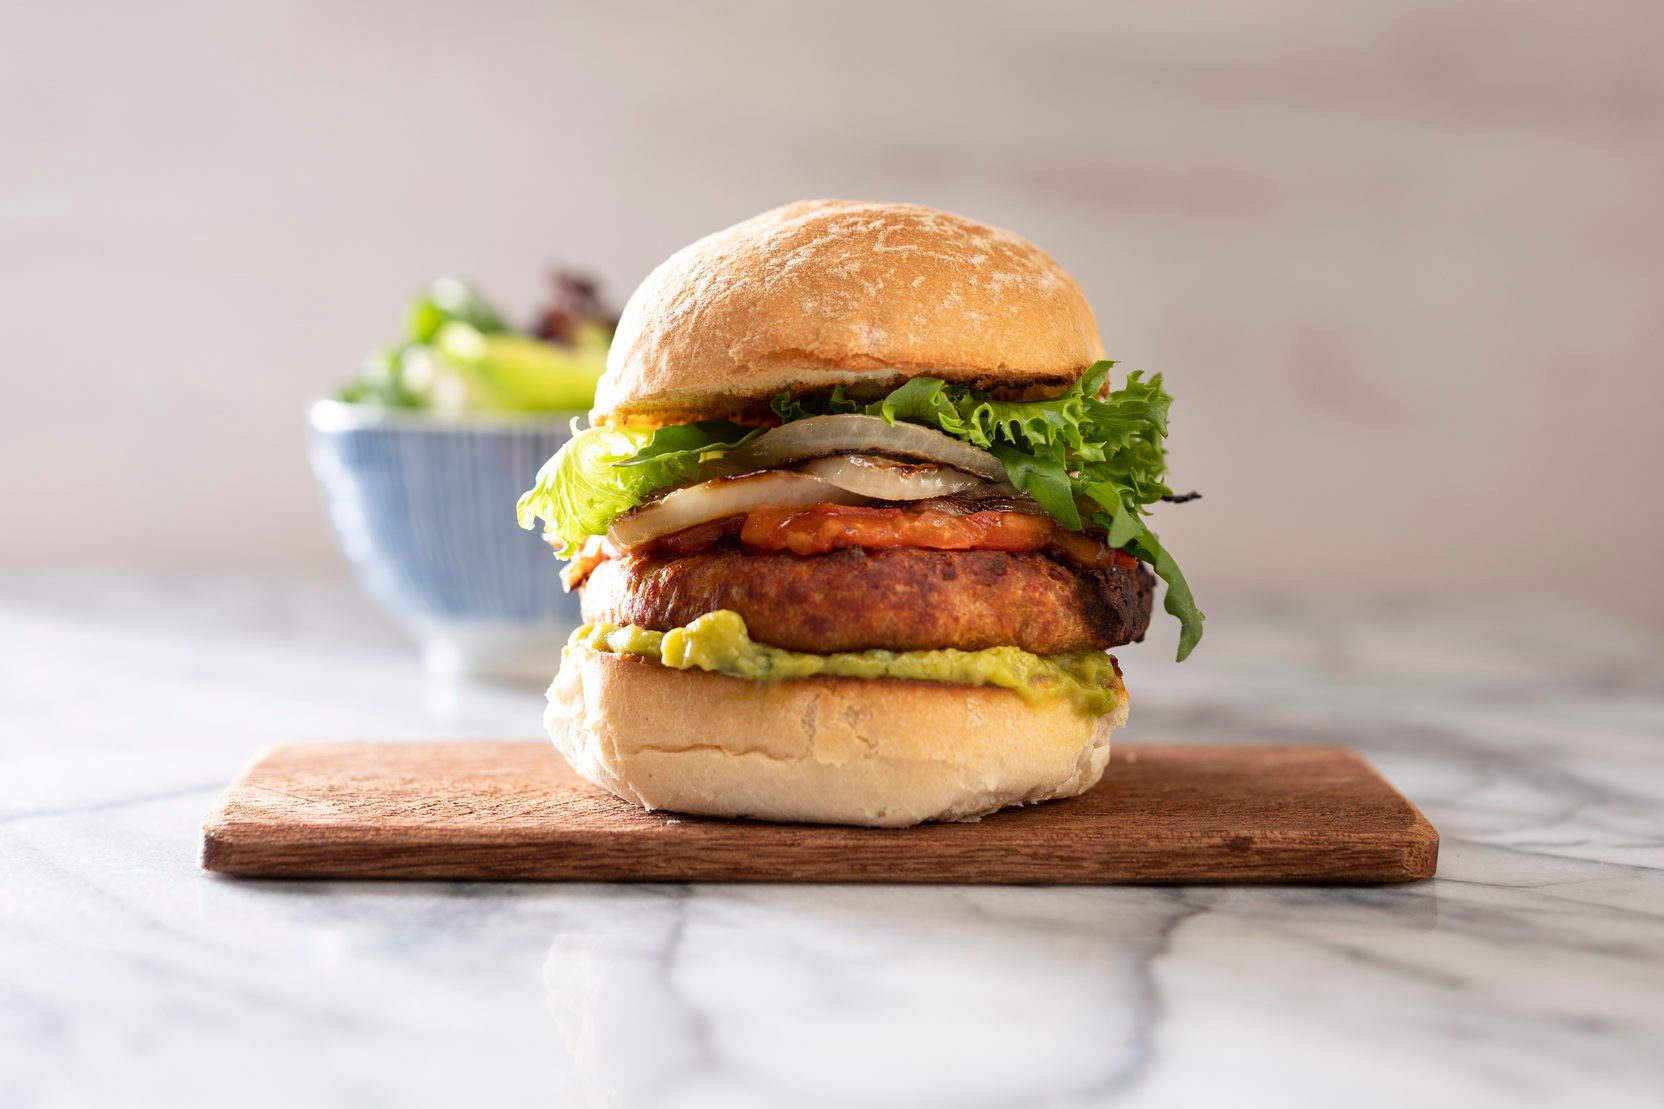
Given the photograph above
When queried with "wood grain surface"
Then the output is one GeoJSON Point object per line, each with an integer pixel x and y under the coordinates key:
{"type": "Point", "coordinates": [514, 810]}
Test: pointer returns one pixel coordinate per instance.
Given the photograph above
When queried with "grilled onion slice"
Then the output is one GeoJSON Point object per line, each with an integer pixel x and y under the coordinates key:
{"type": "Point", "coordinates": [983, 498]}
{"type": "Point", "coordinates": [884, 479]}
{"type": "Point", "coordinates": [719, 498]}
{"type": "Point", "coordinates": [819, 436]}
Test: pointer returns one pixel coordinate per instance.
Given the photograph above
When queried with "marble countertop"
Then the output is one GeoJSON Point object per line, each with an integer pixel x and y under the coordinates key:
{"type": "Point", "coordinates": [1530, 972]}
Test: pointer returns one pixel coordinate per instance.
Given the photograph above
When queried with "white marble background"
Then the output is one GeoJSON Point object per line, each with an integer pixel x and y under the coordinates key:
{"type": "Point", "coordinates": [1530, 972]}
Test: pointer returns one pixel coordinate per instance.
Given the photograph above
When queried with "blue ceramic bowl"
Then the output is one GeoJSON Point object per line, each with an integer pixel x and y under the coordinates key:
{"type": "Point", "coordinates": [423, 506]}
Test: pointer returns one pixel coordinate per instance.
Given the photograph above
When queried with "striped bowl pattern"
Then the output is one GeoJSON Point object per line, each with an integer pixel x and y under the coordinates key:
{"type": "Point", "coordinates": [423, 507]}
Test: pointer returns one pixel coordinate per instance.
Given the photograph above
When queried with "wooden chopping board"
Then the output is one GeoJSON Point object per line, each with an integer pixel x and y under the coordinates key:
{"type": "Point", "coordinates": [516, 811]}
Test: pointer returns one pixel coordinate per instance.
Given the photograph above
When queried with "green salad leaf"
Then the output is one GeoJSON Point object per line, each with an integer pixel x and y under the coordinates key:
{"type": "Point", "coordinates": [385, 379]}
{"type": "Point", "coordinates": [1093, 458]}
{"type": "Point", "coordinates": [459, 354]}
{"type": "Point", "coordinates": [604, 471]}
{"type": "Point", "coordinates": [448, 300]}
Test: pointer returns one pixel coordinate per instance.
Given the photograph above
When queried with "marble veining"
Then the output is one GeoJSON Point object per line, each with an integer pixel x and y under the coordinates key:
{"type": "Point", "coordinates": [1530, 972]}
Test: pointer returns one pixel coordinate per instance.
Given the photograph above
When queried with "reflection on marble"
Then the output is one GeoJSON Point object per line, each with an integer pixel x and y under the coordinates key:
{"type": "Point", "coordinates": [1531, 971]}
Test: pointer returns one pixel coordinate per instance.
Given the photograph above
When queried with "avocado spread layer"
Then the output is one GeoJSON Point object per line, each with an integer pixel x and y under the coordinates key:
{"type": "Point", "coordinates": [719, 642]}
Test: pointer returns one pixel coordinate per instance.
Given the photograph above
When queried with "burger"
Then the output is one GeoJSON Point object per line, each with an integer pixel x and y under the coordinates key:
{"type": "Point", "coordinates": [858, 515]}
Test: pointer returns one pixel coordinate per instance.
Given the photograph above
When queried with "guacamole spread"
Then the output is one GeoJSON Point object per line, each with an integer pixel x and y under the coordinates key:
{"type": "Point", "coordinates": [718, 642]}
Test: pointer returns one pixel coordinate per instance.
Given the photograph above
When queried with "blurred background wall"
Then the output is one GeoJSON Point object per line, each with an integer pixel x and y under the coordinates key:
{"type": "Point", "coordinates": [1401, 263]}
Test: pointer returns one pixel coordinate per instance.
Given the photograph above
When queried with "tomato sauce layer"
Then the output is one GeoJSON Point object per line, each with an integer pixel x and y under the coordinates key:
{"type": "Point", "coordinates": [818, 529]}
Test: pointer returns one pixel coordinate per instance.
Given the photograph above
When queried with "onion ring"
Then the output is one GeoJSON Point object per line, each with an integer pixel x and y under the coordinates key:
{"type": "Point", "coordinates": [719, 497]}
{"type": "Point", "coordinates": [885, 479]}
{"type": "Point", "coordinates": [819, 436]}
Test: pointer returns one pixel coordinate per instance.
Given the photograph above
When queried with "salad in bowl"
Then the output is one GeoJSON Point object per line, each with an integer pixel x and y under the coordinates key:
{"type": "Point", "coordinates": [418, 454]}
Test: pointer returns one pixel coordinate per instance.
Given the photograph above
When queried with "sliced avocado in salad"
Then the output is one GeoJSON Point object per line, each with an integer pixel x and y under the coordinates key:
{"type": "Point", "coordinates": [459, 354]}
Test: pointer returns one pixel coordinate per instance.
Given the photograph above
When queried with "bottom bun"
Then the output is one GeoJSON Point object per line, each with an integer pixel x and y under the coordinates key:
{"type": "Point", "coordinates": [877, 752]}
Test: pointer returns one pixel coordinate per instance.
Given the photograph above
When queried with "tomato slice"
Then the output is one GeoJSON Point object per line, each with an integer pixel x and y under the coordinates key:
{"type": "Point", "coordinates": [820, 528]}
{"type": "Point", "coordinates": [1090, 551]}
{"type": "Point", "coordinates": [830, 527]}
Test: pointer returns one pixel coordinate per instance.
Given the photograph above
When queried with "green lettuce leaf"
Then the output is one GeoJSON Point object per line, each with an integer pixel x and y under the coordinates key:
{"type": "Point", "coordinates": [604, 471]}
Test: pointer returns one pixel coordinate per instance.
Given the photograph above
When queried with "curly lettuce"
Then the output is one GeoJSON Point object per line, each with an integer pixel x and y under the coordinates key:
{"type": "Point", "coordinates": [1092, 458]}
{"type": "Point", "coordinates": [605, 471]}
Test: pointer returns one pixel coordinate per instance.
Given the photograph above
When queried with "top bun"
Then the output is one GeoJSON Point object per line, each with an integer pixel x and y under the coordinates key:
{"type": "Point", "coordinates": [837, 292]}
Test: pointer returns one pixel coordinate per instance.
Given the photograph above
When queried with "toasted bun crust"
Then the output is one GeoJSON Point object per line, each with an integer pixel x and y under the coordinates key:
{"type": "Point", "coordinates": [823, 750]}
{"type": "Point", "coordinates": [837, 292]}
